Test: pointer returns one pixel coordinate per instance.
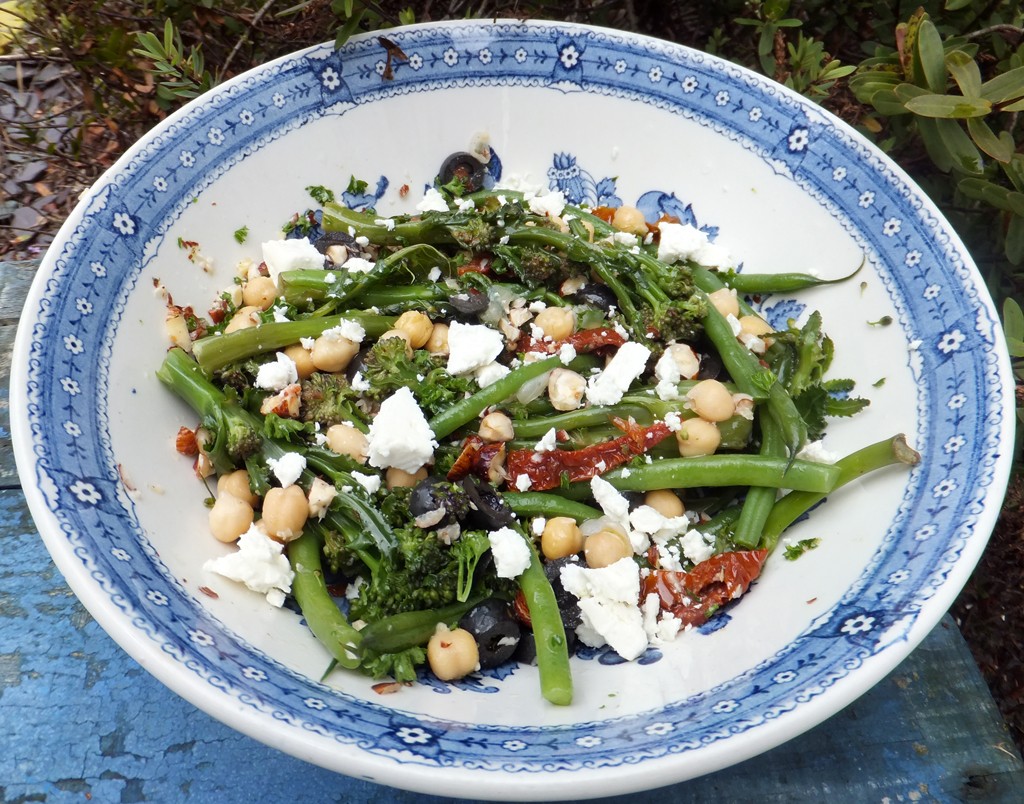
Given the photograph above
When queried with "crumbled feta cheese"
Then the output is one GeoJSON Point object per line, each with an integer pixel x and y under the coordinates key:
{"type": "Point", "coordinates": [548, 441]}
{"type": "Point", "coordinates": [647, 520]}
{"type": "Point", "coordinates": [491, 373]}
{"type": "Point", "coordinates": [537, 306]}
{"type": "Point", "coordinates": [387, 223]}
{"type": "Point", "coordinates": [399, 435]}
{"type": "Point", "coordinates": [537, 526]}
{"type": "Point", "coordinates": [696, 546]}
{"type": "Point", "coordinates": [673, 421]}
{"type": "Point", "coordinates": [466, 204]}
{"type": "Point", "coordinates": [510, 551]}
{"type": "Point", "coordinates": [614, 505]}
{"type": "Point", "coordinates": [472, 346]}
{"type": "Point", "coordinates": [566, 353]}
{"type": "Point", "coordinates": [353, 589]}
{"type": "Point", "coordinates": [290, 255]}
{"type": "Point", "coordinates": [658, 629]}
{"type": "Point", "coordinates": [432, 201]}
{"type": "Point", "coordinates": [714, 255]}
{"type": "Point", "coordinates": [288, 468]}
{"type": "Point", "coordinates": [734, 325]}
{"type": "Point", "coordinates": [814, 451]}
{"type": "Point", "coordinates": [307, 343]}
{"type": "Point", "coordinates": [551, 204]}
{"type": "Point", "coordinates": [434, 274]}
{"type": "Point", "coordinates": [359, 383]}
{"type": "Point", "coordinates": [628, 363]}
{"type": "Point", "coordinates": [280, 315]}
{"type": "Point", "coordinates": [350, 330]}
{"type": "Point", "coordinates": [523, 482]}
{"type": "Point", "coordinates": [608, 606]}
{"type": "Point", "coordinates": [369, 482]}
{"type": "Point", "coordinates": [329, 277]}
{"type": "Point", "coordinates": [679, 241]}
{"type": "Point", "coordinates": [258, 563]}
{"type": "Point", "coordinates": [277, 375]}
{"type": "Point", "coordinates": [622, 238]}
{"type": "Point", "coordinates": [358, 265]}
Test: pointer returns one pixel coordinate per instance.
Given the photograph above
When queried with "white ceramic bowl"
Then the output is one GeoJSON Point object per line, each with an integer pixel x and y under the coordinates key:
{"type": "Point", "coordinates": [602, 116]}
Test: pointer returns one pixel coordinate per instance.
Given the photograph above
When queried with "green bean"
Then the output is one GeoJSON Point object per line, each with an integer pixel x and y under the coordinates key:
{"type": "Point", "coordinates": [322, 614]}
{"type": "Point", "coordinates": [760, 499]}
{"type": "Point", "coordinates": [785, 282]}
{"type": "Point", "coordinates": [875, 456]}
{"type": "Point", "coordinates": [465, 410]}
{"type": "Point", "coordinates": [546, 504]}
{"type": "Point", "coordinates": [411, 628]}
{"type": "Point", "coordinates": [721, 470]}
{"type": "Point", "coordinates": [217, 351]}
{"type": "Point", "coordinates": [548, 632]}
{"type": "Point", "coordinates": [742, 364]}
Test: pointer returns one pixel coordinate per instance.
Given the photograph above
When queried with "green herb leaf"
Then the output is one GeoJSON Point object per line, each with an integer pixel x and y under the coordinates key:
{"type": "Point", "coordinates": [241, 234]}
{"type": "Point", "coordinates": [794, 551]}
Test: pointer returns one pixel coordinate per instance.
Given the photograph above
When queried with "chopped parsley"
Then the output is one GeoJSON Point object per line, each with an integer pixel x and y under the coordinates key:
{"type": "Point", "coordinates": [320, 194]}
{"type": "Point", "coordinates": [241, 234]}
{"type": "Point", "coordinates": [356, 186]}
{"type": "Point", "coordinates": [794, 551]}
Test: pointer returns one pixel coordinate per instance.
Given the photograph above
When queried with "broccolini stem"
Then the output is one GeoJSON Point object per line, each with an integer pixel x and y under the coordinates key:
{"type": "Point", "coordinates": [217, 351]}
{"type": "Point", "coordinates": [887, 452]}
{"type": "Point", "coordinates": [411, 628]}
{"type": "Point", "coordinates": [465, 410]}
{"type": "Point", "coordinates": [548, 632]}
{"type": "Point", "coordinates": [723, 470]}
{"type": "Point", "coordinates": [322, 614]}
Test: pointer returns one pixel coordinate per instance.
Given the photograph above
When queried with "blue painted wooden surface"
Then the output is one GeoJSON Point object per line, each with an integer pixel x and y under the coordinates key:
{"type": "Point", "coordinates": [80, 720]}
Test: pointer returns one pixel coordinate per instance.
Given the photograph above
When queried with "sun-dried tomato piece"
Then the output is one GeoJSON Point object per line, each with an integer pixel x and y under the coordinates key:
{"type": "Point", "coordinates": [585, 340]}
{"type": "Point", "coordinates": [545, 469]}
{"type": "Point", "coordinates": [185, 442]}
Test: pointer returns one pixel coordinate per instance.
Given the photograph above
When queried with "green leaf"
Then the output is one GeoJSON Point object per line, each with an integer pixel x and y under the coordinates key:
{"type": "Point", "coordinates": [1014, 170]}
{"type": "Point", "coordinates": [956, 5]}
{"type": "Point", "coordinates": [949, 106]}
{"type": "Point", "coordinates": [1013, 319]}
{"type": "Point", "coordinates": [992, 193]}
{"type": "Point", "coordinates": [888, 103]}
{"type": "Point", "coordinates": [1018, 106]}
{"type": "Point", "coordinates": [1008, 86]}
{"type": "Point", "coordinates": [906, 91]}
{"type": "Point", "coordinates": [1014, 245]}
{"type": "Point", "coordinates": [1015, 346]}
{"type": "Point", "coordinates": [965, 72]}
{"type": "Point", "coordinates": [931, 57]}
{"type": "Point", "coordinates": [998, 147]}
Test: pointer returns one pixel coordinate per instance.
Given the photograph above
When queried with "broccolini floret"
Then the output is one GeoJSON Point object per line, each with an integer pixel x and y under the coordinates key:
{"type": "Point", "coordinates": [329, 399]}
{"type": "Point", "coordinates": [388, 367]}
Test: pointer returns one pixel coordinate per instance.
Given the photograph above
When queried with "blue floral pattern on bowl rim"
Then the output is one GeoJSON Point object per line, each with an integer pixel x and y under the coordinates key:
{"type": "Point", "coordinates": [958, 361]}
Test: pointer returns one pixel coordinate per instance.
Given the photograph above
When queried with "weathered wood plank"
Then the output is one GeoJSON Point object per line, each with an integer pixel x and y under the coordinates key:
{"type": "Point", "coordinates": [15, 281]}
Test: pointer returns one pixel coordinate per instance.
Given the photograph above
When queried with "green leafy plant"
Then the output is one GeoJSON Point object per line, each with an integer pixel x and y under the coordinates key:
{"type": "Point", "coordinates": [180, 73]}
{"type": "Point", "coordinates": [1013, 329]}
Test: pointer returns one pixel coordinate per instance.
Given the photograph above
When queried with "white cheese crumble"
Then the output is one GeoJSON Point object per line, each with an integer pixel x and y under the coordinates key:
{"type": "Point", "coordinates": [290, 255]}
{"type": "Point", "coordinates": [288, 468]}
{"type": "Point", "coordinates": [548, 441]}
{"type": "Point", "coordinates": [432, 201]}
{"type": "Point", "coordinates": [472, 346]}
{"type": "Point", "coordinates": [510, 551]}
{"type": "Point", "coordinates": [608, 606]}
{"type": "Point", "coordinates": [259, 563]}
{"type": "Point", "coordinates": [434, 274]}
{"type": "Point", "coordinates": [321, 493]}
{"type": "Point", "coordinates": [277, 375]}
{"type": "Point", "coordinates": [399, 435]}
{"type": "Point", "coordinates": [358, 265]}
{"type": "Point", "coordinates": [523, 482]}
{"type": "Point", "coordinates": [387, 223]}
{"type": "Point", "coordinates": [552, 204]}
{"type": "Point", "coordinates": [350, 330]}
{"type": "Point", "coordinates": [815, 451]}
{"type": "Point", "coordinates": [369, 482]}
{"type": "Point", "coordinates": [628, 363]}
{"type": "Point", "coordinates": [280, 315]}
{"type": "Point", "coordinates": [491, 373]}
{"type": "Point", "coordinates": [566, 353]}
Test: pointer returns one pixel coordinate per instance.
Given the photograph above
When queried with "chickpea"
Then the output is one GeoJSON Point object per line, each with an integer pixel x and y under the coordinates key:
{"type": "Point", "coordinates": [395, 478]}
{"type": "Point", "coordinates": [417, 326]}
{"type": "Point", "coordinates": [724, 300]}
{"type": "Point", "coordinates": [754, 325]}
{"type": "Point", "coordinates": [345, 439]}
{"type": "Point", "coordinates": [260, 291]}
{"type": "Point", "coordinates": [302, 359]}
{"type": "Point", "coordinates": [685, 360]}
{"type": "Point", "coordinates": [452, 654]}
{"type": "Point", "coordinates": [285, 511]}
{"type": "Point", "coordinates": [243, 318]}
{"type": "Point", "coordinates": [437, 343]}
{"type": "Point", "coordinates": [711, 400]}
{"type": "Point", "coordinates": [561, 538]}
{"type": "Point", "coordinates": [230, 517]}
{"type": "Point", "coordinates": [665, 502]}
{"type": "Point", "coordinates": [630, 219]}
{"type": "Point", "coordinates": [237, 484]}
{"type": "Point", "coordinates": [397, 333]}
{"type": "Point", "coordinates": [604, 548]}
{"type": "Point", "coordinates": [565, 389]}
{"type": "Point", "coordinates": [333, 353]}
{"type": "Point", "coordinates": [496, 426]}
{"type": "Point", "coordinates": [698, 437]}
{"type": "Point", "coordinates": [558, 323]}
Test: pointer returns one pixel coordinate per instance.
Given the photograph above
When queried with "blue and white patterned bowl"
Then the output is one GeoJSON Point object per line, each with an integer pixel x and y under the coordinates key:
{"type": "Point", "coordinates": [607, 118]}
